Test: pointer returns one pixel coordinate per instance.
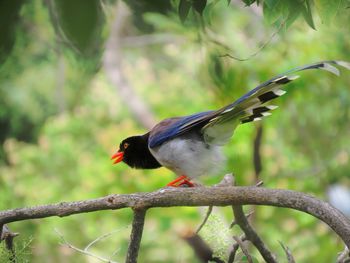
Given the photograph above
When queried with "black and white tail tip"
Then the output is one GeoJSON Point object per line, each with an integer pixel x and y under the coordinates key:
{"type": "Point", "coordinates": [254, 101]}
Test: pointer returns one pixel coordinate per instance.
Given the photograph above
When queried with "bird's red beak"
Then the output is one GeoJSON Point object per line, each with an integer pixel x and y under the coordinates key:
{"type": "Point", "coordinates": [117, 157]}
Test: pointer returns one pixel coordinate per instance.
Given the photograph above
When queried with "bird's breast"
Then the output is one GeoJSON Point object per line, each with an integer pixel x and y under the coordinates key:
{"type": "Point", "coordinates": [190, 156]}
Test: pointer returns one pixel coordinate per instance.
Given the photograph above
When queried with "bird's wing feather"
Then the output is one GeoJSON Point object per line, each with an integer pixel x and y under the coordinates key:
{"type": "Point", "coordinates": [172, 127]}
{"type": "Point", "coordinates": [218, 126]}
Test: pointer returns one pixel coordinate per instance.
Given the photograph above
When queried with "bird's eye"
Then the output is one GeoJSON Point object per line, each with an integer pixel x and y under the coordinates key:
{"type": "Point", "coordinates": [125, 145]}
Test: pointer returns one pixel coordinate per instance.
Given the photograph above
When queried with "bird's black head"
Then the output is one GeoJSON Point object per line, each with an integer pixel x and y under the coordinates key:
{"type": "Point", "coordinates": [134, 152]}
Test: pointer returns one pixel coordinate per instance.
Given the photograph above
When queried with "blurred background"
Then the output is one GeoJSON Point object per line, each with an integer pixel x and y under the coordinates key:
{"type": "Point", "coordinates": [76, 77]}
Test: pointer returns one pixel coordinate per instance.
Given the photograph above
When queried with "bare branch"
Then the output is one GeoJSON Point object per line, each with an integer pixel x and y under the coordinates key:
{"type": "Point", "coordinates": [210, 209]}
{"type": "Point", "coordinates": [290, 258]}
{"type": "Point", "coordinates": [251, 235]}
{"type": "Point", "coordinates": [234, 249]}
{"type": "Point", "coordinates": [201, 196]}
{"type": "Point", "coordinates": [136, 235]}
{"type": "Point", "coordinates": [244, 248]}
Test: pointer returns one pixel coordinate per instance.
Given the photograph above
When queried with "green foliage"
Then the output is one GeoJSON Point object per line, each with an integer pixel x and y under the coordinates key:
{"type": "Point", "coordinates": [22, 250]}
{"type": "Point", "coordinates": [79, 23]}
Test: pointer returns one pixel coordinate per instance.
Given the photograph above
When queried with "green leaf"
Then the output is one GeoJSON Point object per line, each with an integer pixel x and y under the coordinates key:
{"type": "Point", "coordinates": [291, 11]}
{"type": "Point", "coordinates": [272, 10]}
{"type": "Point", "coordinates": [307, 13]}
{"type": "Point", "coordinates": [199, 5]}
{"type": "Point", "coordinates": [272, 3]}
{"type": "Point", "coordinates": [79, 22]}
{"type": "Point", "coordinates": [327, 10]}
{"type": "Point", "coordinates": [248, 2]}
{"type": "Point", "coordinates": [184, 8]}
{"type": "Point", "coordinates": [9, 14]}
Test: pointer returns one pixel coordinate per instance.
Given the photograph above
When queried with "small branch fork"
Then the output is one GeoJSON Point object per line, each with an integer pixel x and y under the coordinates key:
{"type": "Point", "coordinates": [86, 250]}
{"type": "Point", "coordinates": [251, 235]}
{"type": "Point", "coordinates": [196, 196]}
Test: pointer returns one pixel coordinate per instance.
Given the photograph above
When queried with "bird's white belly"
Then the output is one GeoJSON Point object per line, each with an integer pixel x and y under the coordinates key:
{"type": "Point", "coordinates": [192, 158]}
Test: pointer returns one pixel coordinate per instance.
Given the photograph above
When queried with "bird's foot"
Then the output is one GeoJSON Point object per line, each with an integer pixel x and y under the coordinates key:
{"type": "Point", "coordinates": [188, 183]}
{"type": "Point", "coordinates": [181, 181]}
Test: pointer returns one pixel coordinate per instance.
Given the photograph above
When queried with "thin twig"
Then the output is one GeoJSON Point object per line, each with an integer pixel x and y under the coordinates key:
{"type": "Point", "coordinates": [290, 258]}
{"type": "Point", "coordinates": [264, 45]}
{"type": "Point", "coordinates": [100, 238]}
{"type": "Point", "coordinates": [234, 249]}
{"type": "Point", "coordinates": [228, 180]}
{"type": "Point", "coordinates": [136, 235]}
{"type": "Point", "coordinates": [251, 235]}
{"type": "Point", "coordinates": [83, 251]}
{"type": "Point", "coordinates": [260, 183]}
{"type": "Point", "coordinates": [210, 209]}
{"type": "Point", "coordinates": [244, 248]}
{"type": "Point", "coordinates": [344, 256]}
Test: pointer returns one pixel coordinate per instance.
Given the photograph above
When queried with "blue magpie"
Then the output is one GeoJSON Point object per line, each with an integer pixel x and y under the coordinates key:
{"type": "Point", "coordinates": [191, 145]}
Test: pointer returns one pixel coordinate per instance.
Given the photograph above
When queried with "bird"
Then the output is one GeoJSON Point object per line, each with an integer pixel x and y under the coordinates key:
{"type": "Point", "coordinates": [191, 146]}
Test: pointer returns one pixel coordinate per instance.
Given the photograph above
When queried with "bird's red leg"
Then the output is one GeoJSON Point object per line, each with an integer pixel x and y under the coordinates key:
{"type": "Point", "coordinates": [181, 180]}
{"type": "Point", "coordinates": [174, 183]}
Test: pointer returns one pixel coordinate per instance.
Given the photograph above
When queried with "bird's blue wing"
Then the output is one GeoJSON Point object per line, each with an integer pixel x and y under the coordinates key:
{"type": "Point", "coordinates": [171, 128]}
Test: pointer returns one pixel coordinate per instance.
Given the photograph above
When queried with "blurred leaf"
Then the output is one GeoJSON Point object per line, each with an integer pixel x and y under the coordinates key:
{"type": "Point", "coordinates": [249, 2]}
{"type": "Point", "coordinates": [272, 10]}
{"type": "Point", "coordinates": [307, 13]}
{"type": "Point", "coordinates": [184, 8]}
{"type": "Point", "coordinates": [9, 14]}
{"type": "Point", "coordinates": [80, 23]}
{"type": "Point", "coordinates": [199, 5]}
{"type": "Point", "coordinates": [291, 11]}
{"type": "Point", "coordinates": [139, 8]}
{"type": "Point", "coordinates": [329, 9]}
{"type": "Point", "coordinates": [272, 3]}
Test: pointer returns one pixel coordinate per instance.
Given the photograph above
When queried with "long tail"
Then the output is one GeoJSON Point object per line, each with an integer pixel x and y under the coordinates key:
{"type": "Point", "coordinates": [253, 105]}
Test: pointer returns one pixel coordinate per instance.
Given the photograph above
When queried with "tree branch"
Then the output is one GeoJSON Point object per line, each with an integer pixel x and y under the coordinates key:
{"type": "Point", "coordinates": [201, 196]}
{"type": "Point", "coordinates": [251, 235]}
{"type": "Point", "coordinates": [234, 249]}
{"type": "Point", "coordinates": [136, 235]}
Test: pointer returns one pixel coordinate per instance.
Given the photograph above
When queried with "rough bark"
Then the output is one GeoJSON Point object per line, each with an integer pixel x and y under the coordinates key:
{"type": "Point", "coordinates": [200, 196]}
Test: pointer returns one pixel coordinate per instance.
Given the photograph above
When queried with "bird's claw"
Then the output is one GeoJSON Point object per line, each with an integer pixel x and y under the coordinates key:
{"type": "Point", "coordinates": [182, 180]}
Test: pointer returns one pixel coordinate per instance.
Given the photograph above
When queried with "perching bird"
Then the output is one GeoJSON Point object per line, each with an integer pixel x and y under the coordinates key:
{"type": "Point", "coordinates": [191, 145]}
